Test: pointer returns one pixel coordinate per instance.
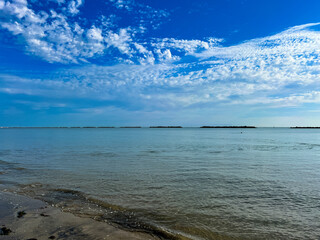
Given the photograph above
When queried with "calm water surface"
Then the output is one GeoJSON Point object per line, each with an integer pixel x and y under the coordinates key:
{"type": "Point", "coordinates": [259, 183]}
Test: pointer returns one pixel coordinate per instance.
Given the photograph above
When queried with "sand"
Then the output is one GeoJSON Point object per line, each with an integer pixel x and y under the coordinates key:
{"type": "Point", "coordinates": [29, 218]}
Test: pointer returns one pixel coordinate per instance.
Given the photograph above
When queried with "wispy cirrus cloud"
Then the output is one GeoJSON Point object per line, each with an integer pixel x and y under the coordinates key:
{"type": "Point", "coordinates": [287, 101]}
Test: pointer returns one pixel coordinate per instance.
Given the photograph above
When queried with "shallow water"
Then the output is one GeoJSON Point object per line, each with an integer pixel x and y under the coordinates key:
{"type": "Point", "coordinates": [259, 183]}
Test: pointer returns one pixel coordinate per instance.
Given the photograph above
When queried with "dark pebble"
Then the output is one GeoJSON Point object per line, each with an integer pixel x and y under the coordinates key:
{"type": "Point", "coordinates": [21, 214]}
{"type": "Point", "coordinates": [44, 215]}
{"type": "Point", "coordinates": [5, 231]}
{"type": "Point", "coordinates": [52, 237]}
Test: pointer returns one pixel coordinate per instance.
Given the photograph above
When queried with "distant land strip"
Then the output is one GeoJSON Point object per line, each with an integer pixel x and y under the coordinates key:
{"type": "Point", "coordinates": [305, 127]}
{"type": "Point", "coordinates": [228, 127]}
{"type": "Point", "coordinates": [165, 127]}
{"type": "Point", "coordinates": [3, 127]}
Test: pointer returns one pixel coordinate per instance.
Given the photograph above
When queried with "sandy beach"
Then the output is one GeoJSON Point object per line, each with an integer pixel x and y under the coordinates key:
{"type": "Point", "coordinates": [22, 217]}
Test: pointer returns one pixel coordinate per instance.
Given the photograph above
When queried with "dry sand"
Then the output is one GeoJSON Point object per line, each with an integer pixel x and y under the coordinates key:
{"type": "Point", "coordinates": [42, 221]}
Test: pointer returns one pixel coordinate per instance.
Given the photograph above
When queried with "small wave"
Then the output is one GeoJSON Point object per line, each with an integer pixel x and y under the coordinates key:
{"type": "Point", "coordinates": [2, 162]}
{"type": "Point", "coordinates": [102, 154]}
{"type": "Point", "coordinates": [310, 145]}
{"type": "Point", "coordinates": [79, 203]}
{"type": "Point", "coordinates": [19, 168]}
{"type": "Point", "coordinates": [127, 220]}
{"type": "Point", "coordinates": [11, 166]}
{"type": "Point", "coordinates": [5, 152]}
{"type": "Point", "coordinates": [152, 151]}
{"type": "Point", "coordinates": [215, 152]}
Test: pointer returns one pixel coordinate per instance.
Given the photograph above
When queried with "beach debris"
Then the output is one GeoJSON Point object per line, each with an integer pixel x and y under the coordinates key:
{"type": "Point", "coordinates": [44, 215]}
{"type": "Point", "coordinates": [5, 231]}
{"type": "Point", "coordinates": [52, 237]}
{"type": "Point", "coordinates": [32, 239]}
{"type": "Point", "coordinates": [21, 214]}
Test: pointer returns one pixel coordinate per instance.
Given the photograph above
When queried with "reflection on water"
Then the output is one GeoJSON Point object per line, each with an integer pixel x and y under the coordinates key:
{"type": "Point", "coordinates": [201, 183]}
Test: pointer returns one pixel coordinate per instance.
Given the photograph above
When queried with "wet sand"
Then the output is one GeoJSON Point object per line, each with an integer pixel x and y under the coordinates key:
{"type": "Point", "coordinates": [22, 217]}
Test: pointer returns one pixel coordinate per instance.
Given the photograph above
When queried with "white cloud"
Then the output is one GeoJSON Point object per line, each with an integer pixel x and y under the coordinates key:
{"type": "Point", "coordinates": [280, 70]}
{"type": "Point", "coordinates": [73, 7]}
{"type": "Point", "coordinates": [185, 46]}
{"type": "Point", "coordinates": [148, 16]}
{"type": "Point", "coordinates": [17, 8]}
{"type": "Point", "coordinates": [55, 38]}
{"type": "Point", "coordinates": [95, 34]}
{"type": "Point", "coordinates": [293, 100]}
{"type": "Point", "coordinates": [2, 4]}
{"type": "Point", "coordinates": [120, 40]}
{"type": "Point", "coordinates": [165, 55]}
{"type": "Point", "coordinates": [52, 37]}
{"type": "Point", "coordinates": [127, 4]}
{"type": "Point", "coordinates": [147, 56]}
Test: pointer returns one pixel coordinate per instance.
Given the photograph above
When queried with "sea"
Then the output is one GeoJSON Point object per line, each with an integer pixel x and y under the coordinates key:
{"type": "Point", "coordinates": [187, 183]}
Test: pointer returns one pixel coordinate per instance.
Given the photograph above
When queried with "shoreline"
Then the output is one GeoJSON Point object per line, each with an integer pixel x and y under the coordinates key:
{"type": "Point", "coordinates": [23, 217]}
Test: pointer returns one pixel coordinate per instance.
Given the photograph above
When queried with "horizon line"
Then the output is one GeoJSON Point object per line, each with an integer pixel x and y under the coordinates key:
{"type": "Point", "coordinates": [166, 126]}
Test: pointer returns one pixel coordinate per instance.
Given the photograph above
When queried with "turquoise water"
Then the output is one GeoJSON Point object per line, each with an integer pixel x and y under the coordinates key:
{"type": "Point", "coordinates": [259, 183]}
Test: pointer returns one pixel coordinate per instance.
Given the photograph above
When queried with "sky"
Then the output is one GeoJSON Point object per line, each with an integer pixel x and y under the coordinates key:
{"type": "Point", "coordinates": [159, 62]}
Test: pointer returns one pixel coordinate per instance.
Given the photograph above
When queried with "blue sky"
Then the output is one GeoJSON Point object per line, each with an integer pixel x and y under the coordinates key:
{"type": "Point", "coordinates": [139, 62]}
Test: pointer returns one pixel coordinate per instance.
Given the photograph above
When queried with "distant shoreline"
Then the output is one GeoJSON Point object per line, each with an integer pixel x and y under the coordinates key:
{"type": "Point", "coordinates": [305, 127]}
{"type": "Point", "coordinates": [88, 127]}
{"type": "Point", "coordinates": [228, 127]}
{"type": "Point", "coordinates": [162, 127]}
